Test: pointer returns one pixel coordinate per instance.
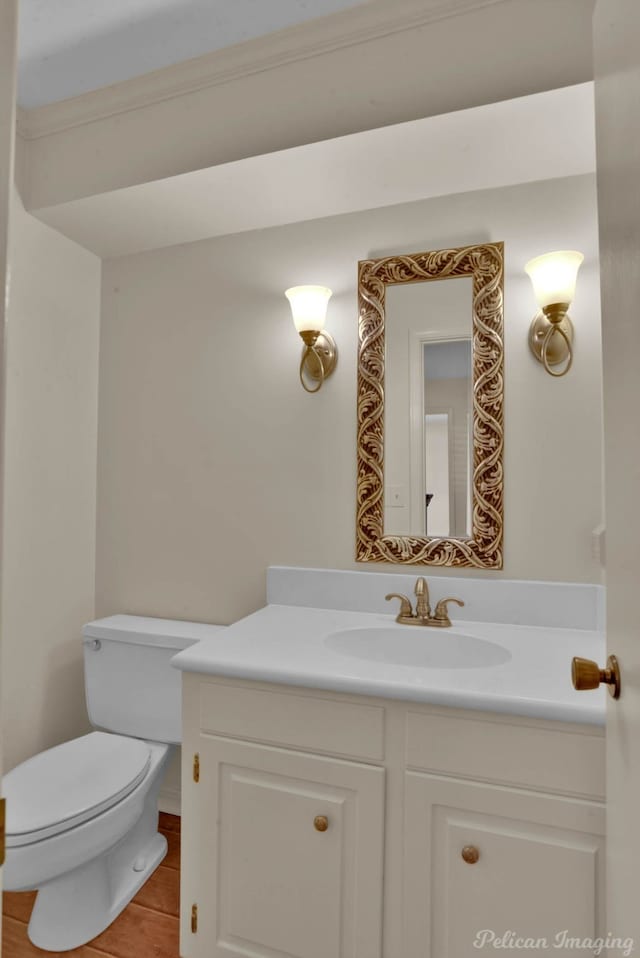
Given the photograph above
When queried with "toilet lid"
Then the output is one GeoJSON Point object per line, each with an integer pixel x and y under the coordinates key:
{"type": "Point", "coordinates": [70, 784]}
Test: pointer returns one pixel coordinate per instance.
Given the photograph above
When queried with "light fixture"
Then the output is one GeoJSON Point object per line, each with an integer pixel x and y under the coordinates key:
{"type": "Point", "coordinates": [553, 276]}
{"type": "Point", "coordinates": [320, 353]}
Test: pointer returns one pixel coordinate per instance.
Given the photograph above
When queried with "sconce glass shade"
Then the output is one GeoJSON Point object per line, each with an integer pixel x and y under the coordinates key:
{"type": "Point", "coordinates": [553, 276]}
{"type": "Point", "coordinates": [308, 306]}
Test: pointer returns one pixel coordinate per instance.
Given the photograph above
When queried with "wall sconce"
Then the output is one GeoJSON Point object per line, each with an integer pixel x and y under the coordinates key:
{"type": "Point", "coordinates": [553, 276]}
{"type": "Point", "coordinates": [320, 353]}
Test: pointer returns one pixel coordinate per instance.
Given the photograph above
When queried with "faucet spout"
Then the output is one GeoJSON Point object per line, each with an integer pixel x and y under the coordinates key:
{"type": "Point", "coordinates": [423, 607]}
{"type": "Point", "coordinates": [422, 614]}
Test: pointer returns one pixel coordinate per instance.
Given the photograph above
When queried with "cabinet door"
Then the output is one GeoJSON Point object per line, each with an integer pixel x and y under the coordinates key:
{"type": "Point", "coordinates": [539, 874]}
{"type": "Point", "coordinates": [267, 881]}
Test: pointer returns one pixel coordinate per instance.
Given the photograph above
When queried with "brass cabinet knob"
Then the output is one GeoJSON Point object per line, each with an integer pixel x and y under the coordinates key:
{"type": "Point", "coordinates": [586, 674]}
{"type": "Point", "coordinates": [321, 823]}
{"type": "Point", "coordinates": [470, 854]}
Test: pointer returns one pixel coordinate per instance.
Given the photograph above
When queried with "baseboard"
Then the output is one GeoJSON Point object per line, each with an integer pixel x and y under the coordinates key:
{"type": "Point", "coordinates": [169, 801]}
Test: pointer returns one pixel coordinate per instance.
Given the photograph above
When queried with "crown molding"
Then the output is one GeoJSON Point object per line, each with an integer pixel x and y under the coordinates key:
{"type": "Point", "coordinates": [361, 24]}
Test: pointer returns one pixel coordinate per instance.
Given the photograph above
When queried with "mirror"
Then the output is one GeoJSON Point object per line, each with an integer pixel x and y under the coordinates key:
{"type": "Point", "coordinates": [430, 403]}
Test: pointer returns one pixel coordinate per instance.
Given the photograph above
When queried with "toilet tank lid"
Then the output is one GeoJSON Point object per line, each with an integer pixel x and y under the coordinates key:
{"type": "Point", "coordinates": [144, 630]}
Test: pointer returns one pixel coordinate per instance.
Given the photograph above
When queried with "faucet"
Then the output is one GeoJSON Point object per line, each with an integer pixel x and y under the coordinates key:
{"type": "Point", "coordinates": [422, 615]}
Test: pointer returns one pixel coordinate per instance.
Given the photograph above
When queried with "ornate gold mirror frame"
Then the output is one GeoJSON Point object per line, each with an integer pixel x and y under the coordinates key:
{"type": "Point", "coordinates": [483, 550]}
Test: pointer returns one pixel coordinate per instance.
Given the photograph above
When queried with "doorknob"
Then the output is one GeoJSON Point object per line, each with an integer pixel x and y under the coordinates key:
{"type": "Point", "coordinates": [586, 674]}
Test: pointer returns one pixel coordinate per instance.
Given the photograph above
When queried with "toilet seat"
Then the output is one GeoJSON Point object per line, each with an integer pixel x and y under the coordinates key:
{"type": "Point", "coordinates": [70, 784]}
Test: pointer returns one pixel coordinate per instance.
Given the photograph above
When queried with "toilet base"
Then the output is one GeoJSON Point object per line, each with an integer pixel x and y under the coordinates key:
{"type": "Point", "coordinates": [93, 906]}
{"type": "Point", "coordinates": [76, 907]}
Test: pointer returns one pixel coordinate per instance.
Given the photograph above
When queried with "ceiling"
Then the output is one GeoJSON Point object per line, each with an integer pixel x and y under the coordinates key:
{"type": "Point", "coordinates": [543, 136]}
{"type": "Point", "coordinates": [69, 47]}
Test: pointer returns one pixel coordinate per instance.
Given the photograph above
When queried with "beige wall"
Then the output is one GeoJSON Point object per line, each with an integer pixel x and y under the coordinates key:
{"type": "Point", "coordinates": [48, 566]}
{"type": "Point", "coordinates": [213, 463]}
{"type": "Point", "coordinates": [8, 56]}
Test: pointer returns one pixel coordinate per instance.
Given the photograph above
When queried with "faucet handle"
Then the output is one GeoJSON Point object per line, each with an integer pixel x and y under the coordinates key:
{"type": "Point", "coordinates": [441, 614]}
{"type": "Point", "coordinates": [405, 603]}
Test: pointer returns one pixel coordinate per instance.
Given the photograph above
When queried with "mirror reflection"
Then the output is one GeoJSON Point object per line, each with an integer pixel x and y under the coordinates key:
{"type": "Point", "coordinates": [447, 437]}
{"type": "Point", "coordinates": [428, 409]}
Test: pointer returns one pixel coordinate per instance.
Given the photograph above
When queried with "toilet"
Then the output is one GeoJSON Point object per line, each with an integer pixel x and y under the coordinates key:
{"type": "Point", "coordinates": [82, 817]}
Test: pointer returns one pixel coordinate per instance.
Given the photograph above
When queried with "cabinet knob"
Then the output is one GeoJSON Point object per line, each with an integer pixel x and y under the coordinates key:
{"type": "Point", "coordinates": [586, 674]}
{"type": "Point", "coordinates": [321, 823]}
{"type": "Point", "coordinates": [470, 854]}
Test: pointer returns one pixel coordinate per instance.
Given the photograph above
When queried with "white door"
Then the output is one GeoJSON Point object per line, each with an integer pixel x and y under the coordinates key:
{"type": "Point", "coordinates": [617, 72]}
{"type": "Point", "coordinates": [8, 45]}
{"type": "Point", "coordinates": [292, 867]}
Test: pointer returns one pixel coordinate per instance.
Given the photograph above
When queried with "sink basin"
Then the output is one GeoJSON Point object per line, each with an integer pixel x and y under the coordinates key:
{"type": "Point", "coordinates": [423, 647]}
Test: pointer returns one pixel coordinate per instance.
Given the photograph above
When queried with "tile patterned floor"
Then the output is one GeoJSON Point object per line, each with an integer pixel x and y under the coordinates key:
{"type": "Point", "coordinates": [147, 928]}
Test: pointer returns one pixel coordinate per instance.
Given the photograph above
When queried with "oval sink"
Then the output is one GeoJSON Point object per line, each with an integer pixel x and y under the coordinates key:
{"type": "Point", "coordinates": [423, 647]}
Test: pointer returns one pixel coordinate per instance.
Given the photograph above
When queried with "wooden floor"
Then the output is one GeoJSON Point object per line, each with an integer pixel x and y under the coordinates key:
{"type": "Point", "coordinates": [147, 928]}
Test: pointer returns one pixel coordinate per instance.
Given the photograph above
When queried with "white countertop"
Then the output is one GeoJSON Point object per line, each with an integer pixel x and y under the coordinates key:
{"type": "Point", "coordinates": [286, 644]}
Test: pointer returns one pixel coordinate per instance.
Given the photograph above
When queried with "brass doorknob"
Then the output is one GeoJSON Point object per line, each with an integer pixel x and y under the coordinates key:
{"type": "Point", "coordinates": [321, 823]}
{"type": "Point", "coordinates": [470, 854]}
{"type": "Point", "coordinates": [586, 674]}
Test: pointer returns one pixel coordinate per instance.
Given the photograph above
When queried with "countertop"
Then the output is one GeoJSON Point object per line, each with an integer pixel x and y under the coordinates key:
{"type": "Point", "coordinates": [287, 645]}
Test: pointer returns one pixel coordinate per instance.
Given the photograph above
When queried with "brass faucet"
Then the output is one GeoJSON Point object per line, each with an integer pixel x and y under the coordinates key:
{"type": "Point", "coordinates": [422, 615]}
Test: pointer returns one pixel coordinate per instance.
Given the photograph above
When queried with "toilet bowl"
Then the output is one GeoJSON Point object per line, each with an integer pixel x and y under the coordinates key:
{"type": "Point", "coordinates": [94, 857]}
{"type": "Point", "coordinates": [82, 817]}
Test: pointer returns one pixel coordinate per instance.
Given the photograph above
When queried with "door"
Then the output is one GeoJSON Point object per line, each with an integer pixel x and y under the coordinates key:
{"type": "Point", "coordinates": [288, 858]}
{"type": "Point", "coordinates": [488, 866]}
{"type": "Point", "coordinates": [617, 76]}
{"type": "Point", "coordinates": [8, 47]}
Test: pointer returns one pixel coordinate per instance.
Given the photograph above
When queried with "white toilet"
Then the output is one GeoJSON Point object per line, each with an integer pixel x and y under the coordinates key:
{"type": "Point", "coordinates": [82, 817]}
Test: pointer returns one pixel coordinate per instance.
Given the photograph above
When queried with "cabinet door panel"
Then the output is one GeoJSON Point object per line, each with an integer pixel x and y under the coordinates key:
{"type": "Point", "coordinates": [273, 862]}
{"type": "Point", "coordinates": [271, 884]}
{"type": "Point", "coordinates": [538, 876]}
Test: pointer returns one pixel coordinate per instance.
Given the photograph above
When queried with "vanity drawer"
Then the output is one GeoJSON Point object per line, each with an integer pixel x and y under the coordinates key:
{"type": "Point", "coordinates": [292, 720]}
{"type": "Point", "coordinates": [548, 758]}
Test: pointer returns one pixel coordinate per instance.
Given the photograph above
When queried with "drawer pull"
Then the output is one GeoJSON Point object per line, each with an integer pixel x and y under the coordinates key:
{"type": "Point", "coordinates": [470, 854]}
{"type": "Point", "coordinates": [321, 823]}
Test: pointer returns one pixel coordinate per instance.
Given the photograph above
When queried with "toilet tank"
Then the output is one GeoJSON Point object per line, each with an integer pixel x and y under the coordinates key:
{"type": "Point", "coordinates": [130, 684]}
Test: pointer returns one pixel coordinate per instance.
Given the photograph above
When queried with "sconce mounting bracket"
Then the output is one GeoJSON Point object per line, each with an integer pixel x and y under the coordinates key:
{"type": "Point", "coordinates": [320, 363]}
{"type": "Point", "coordinates": [557, 350]}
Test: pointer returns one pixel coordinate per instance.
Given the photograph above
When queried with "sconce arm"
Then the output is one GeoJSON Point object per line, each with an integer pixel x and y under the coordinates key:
{"type": "Point", "coordinates": [308, 352]}
{"type": "Point", "coordinates": [553, 329]}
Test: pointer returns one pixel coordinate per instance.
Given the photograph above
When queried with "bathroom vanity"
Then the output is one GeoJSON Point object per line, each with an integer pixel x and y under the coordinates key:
{"type": "Point", "coordinates": [335, 805]}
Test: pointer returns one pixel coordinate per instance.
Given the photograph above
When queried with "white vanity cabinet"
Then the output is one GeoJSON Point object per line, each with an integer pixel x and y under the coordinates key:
{"type": "Point", "coordinates": [404, 790]}
{"type": "Point", "coordinates": [282, 835]}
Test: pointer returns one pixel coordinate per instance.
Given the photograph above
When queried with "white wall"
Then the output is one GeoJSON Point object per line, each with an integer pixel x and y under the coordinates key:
{"type": "Point", "coordinates": [48, 558]}
{"type": "Point", "coordinates": [213, 463]}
